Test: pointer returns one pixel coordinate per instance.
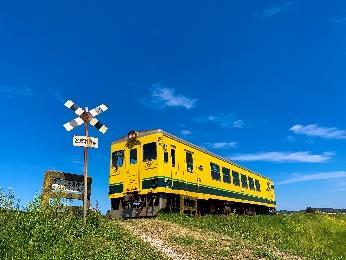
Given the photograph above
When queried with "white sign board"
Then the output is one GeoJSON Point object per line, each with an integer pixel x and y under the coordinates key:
{"type": "Point", "coordinates": [84, 141]}
{"type": "Point", "coordinates": [61, 185]}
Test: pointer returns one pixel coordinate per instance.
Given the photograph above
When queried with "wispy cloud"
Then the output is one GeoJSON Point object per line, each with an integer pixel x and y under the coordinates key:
{"type": "Point", "coordinates": [274, 9]}
{"type": "Point", "coordinates": [185, 132]}
{"type": "Point", "coordinates": [282, 157]}
{"type": "Point", "coordinates": [58, 95]}
{"type": "Point", "coordinates": [289, 139]}
{"type": "Point", "coordinates": [338, 20]}
{"type": "Point", "coordinates": [318, 131]}
{"type": "Point", "coordinates": [15, 91]}
{"type": "Point", "coordinates": [221, 145]}
{"type": "Point", "coordinates": [162, 96]}
{"type": "Point", "coordinates": [227, 120]}
{"type": "Point", "coordinates": [238, 124]}
{"type": "Point", "coordinates": [77, 162]}
{"type": "Point", "coordinates": [295, 178]}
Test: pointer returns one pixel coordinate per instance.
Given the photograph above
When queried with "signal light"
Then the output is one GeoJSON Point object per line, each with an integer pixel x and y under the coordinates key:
{"type": "Point", "coordinates": [132, 135]}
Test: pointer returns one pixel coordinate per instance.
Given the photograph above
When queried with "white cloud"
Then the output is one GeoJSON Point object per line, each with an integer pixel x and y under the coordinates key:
{"type": "Point", "coordinates": [283, 157]}
{"type": "Point", "coordinates": [185, 132]}
{"type": "Point", "coordinates": [290, 138]}
{"type": "Point", "coordinates": [221, 145]}
{"type": "Point", "coordinates": [227, 120]}
{"type": "Point", "coordinates": [238, 124]}
{"type": "Point", "coordinates": [313, 177]}
{"type": "Point", "coordinates": [58, 95]}
{"type": "Point", "coordinates": [274, 9]}
{"type": "Point", "coordinates": [339, 20]}
{"type": "Point", "coordinates": [318, 131]}
{"type": "Point", "coordinates": [162, 96]}
{"type": "Point", "coordinates": [15, 91]}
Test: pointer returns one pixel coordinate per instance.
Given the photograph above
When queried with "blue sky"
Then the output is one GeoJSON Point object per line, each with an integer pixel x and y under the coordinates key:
{"type": "Point", "coordinates": [259, 82]}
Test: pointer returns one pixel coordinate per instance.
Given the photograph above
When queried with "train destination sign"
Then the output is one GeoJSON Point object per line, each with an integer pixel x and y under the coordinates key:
{"type": "Point", "coordinates": [85, 141]}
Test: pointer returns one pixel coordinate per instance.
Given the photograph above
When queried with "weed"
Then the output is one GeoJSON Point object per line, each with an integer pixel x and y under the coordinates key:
{"type": "Point", "coordinates": [316, 236]}
{"type": "Point", "coordinates": [53, 232]}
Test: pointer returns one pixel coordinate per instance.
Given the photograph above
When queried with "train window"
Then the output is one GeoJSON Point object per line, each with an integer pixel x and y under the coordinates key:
{"type": "Point", "coordinates": [236, 181]}
{"type": "Point", "coordinates": [244, 181]}
{"type": "Point", "coordinates": [118, 158]}
{"type": "Point", "coordinates": [268, 186]}
{"type": "Point", "coordinates": [173, 157]}
{"type": "Point", "coordinates": [251, 184]}
{"type": "Point", "coordinates": [226, 175]}
{"type": "Point", "coordinates": [165, 157]}
{"type": "Point", "coordinates": [258, 186]}
{"type": "Point", "coordinates": [215, 171]}
{"type": "Point", "coordinates": [133, 156]}
{"type": "Point", "coordinates": [149, 152]}
{"type": "Point", "coordinates": [189, 162]}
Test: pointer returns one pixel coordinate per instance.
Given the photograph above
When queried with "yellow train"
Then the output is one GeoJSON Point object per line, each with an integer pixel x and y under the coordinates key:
{"type": "Point", "coordinates": [153, 170]}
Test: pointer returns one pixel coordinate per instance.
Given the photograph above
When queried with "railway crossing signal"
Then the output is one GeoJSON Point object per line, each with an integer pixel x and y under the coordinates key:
{"type": "Point", "coordinates": [85, 117]}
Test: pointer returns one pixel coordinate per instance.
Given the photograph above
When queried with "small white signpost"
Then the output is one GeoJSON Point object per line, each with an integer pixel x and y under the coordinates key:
{"type": "Point", "coordinates": [85, 141]}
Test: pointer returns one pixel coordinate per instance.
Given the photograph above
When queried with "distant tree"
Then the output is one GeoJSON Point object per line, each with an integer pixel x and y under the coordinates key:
{"type": "Point", "coordinates": [309, 210]}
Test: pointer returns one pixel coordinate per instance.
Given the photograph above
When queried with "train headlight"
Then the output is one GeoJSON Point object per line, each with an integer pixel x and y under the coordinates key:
{"type": "Point", "coordinates": [132, 135]}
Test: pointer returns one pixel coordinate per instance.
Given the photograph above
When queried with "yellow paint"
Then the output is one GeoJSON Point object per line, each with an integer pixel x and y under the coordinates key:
{"type": "Point", "coordinates": [132, 175]}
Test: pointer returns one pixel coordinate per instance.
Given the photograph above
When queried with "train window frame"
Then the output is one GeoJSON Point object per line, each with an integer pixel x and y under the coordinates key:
{"type": "Point", "coordinates": [133, 159]}
{"type": "Point", "coordinates": [268, 186]}
{"type": "Point", "coordinates": [244, 182]}
{"type": "Point", "coordinates": [165, 157]}
{"type": "Point", "coordinates": [149, 151]}
{"type": "Point", "coordinates": [251, 183]}
{"type": "Point", "coordinates": [173, 157]}
{"type": "Point", "coordinates": [215, 175]}
{"type": "Point", "coordinates": [189, 161]}
{"type": "Point", "coordinates": [236, 179]}
{"type": "Point", "coordinates": [258, 185]}
{"type": "Point", "coordinates": [115, 154]}
{"type": "Point", "coordinates": [226, 175]}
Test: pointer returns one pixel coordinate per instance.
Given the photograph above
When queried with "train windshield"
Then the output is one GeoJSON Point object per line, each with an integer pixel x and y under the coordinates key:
{"type": "Point", "coordinates": [118, 158]}
{"type": "Point", "coordinates": [149, 152]}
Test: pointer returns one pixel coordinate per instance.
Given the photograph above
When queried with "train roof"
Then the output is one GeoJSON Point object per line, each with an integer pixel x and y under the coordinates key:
{"type": "Point", "coordinates": [156, 131]}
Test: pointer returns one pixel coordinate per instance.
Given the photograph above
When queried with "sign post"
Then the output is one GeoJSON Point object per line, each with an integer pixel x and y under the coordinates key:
{"type": "Point", "coordinates": [85, 117]}
{"type": "Point", "coordinates": [64, 185]}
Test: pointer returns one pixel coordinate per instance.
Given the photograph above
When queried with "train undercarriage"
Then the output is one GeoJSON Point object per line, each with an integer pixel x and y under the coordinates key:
{"type": "Point", "coordinates": [134, 205]}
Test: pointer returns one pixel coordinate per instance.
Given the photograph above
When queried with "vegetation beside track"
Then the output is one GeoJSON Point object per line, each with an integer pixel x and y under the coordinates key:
{"type": "Point", "coordinates": [55, 233]}
{"type": "Point", "coordinates": [315, 236]}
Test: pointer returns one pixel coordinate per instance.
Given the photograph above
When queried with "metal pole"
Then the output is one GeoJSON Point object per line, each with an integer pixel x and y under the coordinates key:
{"type": "Point", "coordinates": [85, 201]}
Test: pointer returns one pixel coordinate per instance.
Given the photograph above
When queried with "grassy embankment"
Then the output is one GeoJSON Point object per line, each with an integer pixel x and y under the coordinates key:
{"type": "Point", "coordinates": [315, 236]}
{"type": "Point", "coordinates": [50, 233]}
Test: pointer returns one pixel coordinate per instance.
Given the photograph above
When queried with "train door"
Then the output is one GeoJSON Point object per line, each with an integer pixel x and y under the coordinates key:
{"type": "Point", "coordinates": [118, 164]}
{"type": "Point", "coordinates": [174, 166]}
{"type": "Point", "coordinates": [132, 170]}
{"type": "Point", "coordinates": [190, 172]}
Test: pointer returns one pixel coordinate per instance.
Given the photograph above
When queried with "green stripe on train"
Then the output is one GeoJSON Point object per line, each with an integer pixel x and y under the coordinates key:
{"type": "Point", "coordinates": [191, 187]}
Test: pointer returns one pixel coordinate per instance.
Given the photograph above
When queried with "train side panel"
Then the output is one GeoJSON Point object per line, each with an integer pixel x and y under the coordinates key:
{"type": "Point", "coordinates": [151, 172]}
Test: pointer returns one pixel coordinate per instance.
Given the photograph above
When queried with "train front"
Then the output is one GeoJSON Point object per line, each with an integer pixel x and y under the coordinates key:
{"type": "Point", "coordinates": [134, 159]}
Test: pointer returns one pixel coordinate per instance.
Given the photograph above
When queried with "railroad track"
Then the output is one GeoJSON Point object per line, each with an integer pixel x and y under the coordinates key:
{"type": "Point", "coordinates": [179, 242]}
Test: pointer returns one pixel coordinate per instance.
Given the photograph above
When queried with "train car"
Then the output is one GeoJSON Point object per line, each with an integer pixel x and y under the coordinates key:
{"type": "Point", "coordinates": [153, 170]}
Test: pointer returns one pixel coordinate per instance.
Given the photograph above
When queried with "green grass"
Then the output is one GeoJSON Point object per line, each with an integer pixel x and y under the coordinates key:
{"type": "Point", "coordinates": [185, 240]}
{"type": "Point", "coordinates": [316, 236]}
{"type": "Point", "coordinates": [54, 233]}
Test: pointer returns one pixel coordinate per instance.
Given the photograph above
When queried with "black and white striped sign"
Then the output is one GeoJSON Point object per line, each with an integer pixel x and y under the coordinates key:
{"type": "Point", "coordinates": [85, 116]}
